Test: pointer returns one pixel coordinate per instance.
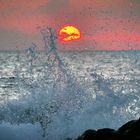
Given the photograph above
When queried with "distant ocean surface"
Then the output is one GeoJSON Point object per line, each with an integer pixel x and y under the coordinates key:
{"type": "Point", "coordinates": [59, 97]}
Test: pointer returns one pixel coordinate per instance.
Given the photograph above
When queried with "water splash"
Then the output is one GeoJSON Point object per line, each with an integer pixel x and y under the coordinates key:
{"type": "Point", "coordinates": [49, 93]}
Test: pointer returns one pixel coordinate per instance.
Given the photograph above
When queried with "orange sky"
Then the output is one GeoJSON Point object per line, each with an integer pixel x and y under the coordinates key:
{"type": "Point", "coordinates": [104, 24]}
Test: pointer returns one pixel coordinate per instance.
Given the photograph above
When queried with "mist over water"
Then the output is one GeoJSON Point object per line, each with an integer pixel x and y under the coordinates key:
{"type": "Point", "coordinates": [59, 95]}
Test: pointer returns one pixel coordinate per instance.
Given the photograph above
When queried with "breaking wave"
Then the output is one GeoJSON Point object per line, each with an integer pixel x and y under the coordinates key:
{"type": "Point", "coordinates": [44, 91]}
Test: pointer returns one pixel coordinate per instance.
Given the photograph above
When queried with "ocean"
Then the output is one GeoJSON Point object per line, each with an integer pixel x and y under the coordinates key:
{"type": "Point", "coordinates": [58, 95]}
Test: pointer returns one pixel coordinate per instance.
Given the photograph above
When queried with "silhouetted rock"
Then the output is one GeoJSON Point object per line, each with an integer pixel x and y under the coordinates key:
{"type": "Point", "coordinates": [130, 130]}
{"type": "Point", "coordinates": [106, 133]}
{"type": "Point", "coordinates": [88, 135]}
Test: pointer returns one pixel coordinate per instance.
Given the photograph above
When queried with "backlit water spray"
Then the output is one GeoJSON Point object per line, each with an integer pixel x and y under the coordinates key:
{"type": "Point", "coordinates": [45, 90]}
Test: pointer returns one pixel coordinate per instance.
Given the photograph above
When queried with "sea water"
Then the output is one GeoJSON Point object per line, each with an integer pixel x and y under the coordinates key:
{"type": "Point", "coordinates": [54, 95]}
{"type": "Point", "coordinates": [102, 90]}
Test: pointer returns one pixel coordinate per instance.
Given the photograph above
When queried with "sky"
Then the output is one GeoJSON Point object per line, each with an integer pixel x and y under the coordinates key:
{"type": "Point", "coordinates": [104, 24]}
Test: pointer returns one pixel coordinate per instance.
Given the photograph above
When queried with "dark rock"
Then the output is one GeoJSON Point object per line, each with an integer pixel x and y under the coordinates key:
{"type": "Point", "coordinates": [130, 130]}
{"type": "Point", "coordinates": [88, 135]}
{"type": "Point", "coordinates": [107, 133]}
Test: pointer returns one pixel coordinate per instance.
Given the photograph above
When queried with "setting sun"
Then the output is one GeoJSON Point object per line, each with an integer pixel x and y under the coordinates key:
{"type": "Point", "coordinates": [68, 33]}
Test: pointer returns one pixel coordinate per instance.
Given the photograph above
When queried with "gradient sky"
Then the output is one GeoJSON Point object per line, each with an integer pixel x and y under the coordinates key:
{"type": "Point", "coordinates": [104, 24]}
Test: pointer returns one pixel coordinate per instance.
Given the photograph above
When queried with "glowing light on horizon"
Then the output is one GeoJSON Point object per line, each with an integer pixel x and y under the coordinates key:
{"type": "Point", "coordinates": [69, 33]}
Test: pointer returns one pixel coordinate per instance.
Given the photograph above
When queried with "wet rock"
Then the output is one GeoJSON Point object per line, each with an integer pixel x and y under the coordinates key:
{"type": "Point", "coordinates": [88, 135]}
{"type": "Point", "coordinates": [130, 130]}
{"type": "Point", "coordinates": [107, 133]}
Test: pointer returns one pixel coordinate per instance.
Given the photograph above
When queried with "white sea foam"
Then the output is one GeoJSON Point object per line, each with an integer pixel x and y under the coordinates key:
{"type": "Point", "coordinates": [64, 94]}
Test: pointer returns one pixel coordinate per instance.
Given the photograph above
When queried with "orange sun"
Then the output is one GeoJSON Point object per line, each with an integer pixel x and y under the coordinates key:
{"type": "Point", "coordinates": [69, 33]}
